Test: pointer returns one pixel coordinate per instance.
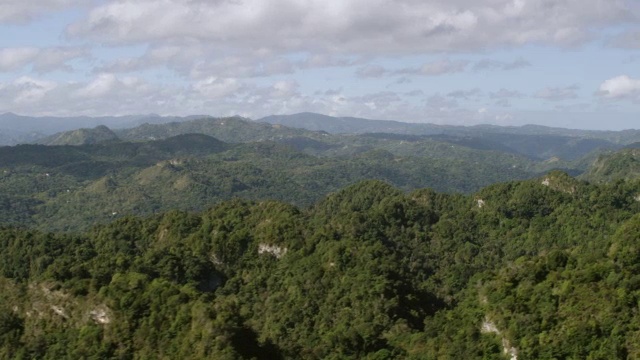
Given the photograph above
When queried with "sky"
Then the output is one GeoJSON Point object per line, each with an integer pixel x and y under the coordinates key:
{"type": "Point", "coordinates": [565, 63]}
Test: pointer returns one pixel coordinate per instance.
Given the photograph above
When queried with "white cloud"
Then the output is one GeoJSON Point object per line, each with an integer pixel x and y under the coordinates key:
{"type": "Point", "coordinates": [472, 94]}
{"type": "Point", "coordinates": [12, 59]}
{"type": "Point", "coordinates": [57, 58]}
{"type": "Point", "coordinates": [99, 87]}
{"type": "Point", "coordinates": [353, 26]}
{"type": "Point", "coordinates": [284, 89]}
{"type": "Point", "coordinates": [371, 71]}
{"type": "Point", "coordinates": [437, 68]}
{"type": "Point", "coordinates": [214, 87]}
{"type": "Point", "coordinates": [441, 103]}
{"type": "Point", "coordinates": [444, 67]}
{"type": "Point", "coordinates": [117, 95]}
{"type": "Point", "coordinates": [102, 95]}
{"type": "Point", "coordinates": [199, 60]}
{"type": "Point", "coordinates": [626, 40]}
{"type": "Point", "coordinates": [29, 90]}
{"type": "Point", "coordinates": [179, 56]}
{"type": "Point", "coordinates": [324, 60]}
{"type": "Point", "coordinates": [42, 59]}
{"type": "Point", "coordinates": [20, 11]}
{"type": "Point", "coordinates": [488, 64]}
{"type": "Point", "coordinates": [414, 93]}
{"type": "Point", "coordinates": [620, 87]}
{"type": "Point", "coordinates": [503, 97]}
{"type": "Point", "coordinates": [558, 93]}
{"type": "Point", "coordinates": [111, 94]}
{"type": "Point", "coordinates": [242, 67]}
{"type": "Point", "coordinates": [505, 94]}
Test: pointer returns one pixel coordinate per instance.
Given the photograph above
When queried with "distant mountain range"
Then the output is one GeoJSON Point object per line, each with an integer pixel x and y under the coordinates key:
{"type": "Point", "coordinates": [91, 175]}
{"type": "Point", "coordinates": [325, 135]}
{"type": "Point", "coordinates": [352, 125]}
{"type": "Point", "coordinates": [18, 129]}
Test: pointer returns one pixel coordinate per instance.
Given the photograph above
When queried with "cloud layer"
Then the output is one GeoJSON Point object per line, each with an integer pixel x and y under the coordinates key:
{"type": "Point", "coordinates": [21, 11]}
{"type": "Point", "coordinates": [446, 61]}
{"type": "Point", "coordinates": [42, 60]}
{"type": "Point", "coordinates": [355, 26]}
{"type": "Point", "coordinates": [621, 87]}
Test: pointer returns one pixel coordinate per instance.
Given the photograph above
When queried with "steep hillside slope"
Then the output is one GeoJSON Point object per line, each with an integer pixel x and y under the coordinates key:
{"type": "Point", "coordinates": [623, 164]}
{"type": "Point", "coordinates": [70, 187]}
{"type": "Point", "coordinates": [83, 136]}
{"type": "Point", "coordinates": [539, 269]}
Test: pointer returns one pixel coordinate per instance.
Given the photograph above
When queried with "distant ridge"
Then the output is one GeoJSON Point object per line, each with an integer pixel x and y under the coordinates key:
{"type": "Point", "coordinates": [97, 135]}
{"type": "Point", "coordinates": [19, 129]}
{"type": "Point", "coordinates": [353, 125]}
{"type": "Point", "coordinates": [623, 164]}
{"type": "Point", "coordinates": [311, 133]}
{"type": "Point", "coordinates": [346, 125]}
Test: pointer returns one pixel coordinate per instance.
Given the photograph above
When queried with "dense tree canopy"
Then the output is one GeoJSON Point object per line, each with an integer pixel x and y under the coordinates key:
{"type": "Point", "coordinates": [545, 268]}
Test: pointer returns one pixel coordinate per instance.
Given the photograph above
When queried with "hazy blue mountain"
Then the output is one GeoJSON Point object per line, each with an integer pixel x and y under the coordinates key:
{"type": "Point", "coordinates": [327, 136]}
{"type": "Point", "coordinates": [18, 129]}
{"type": "Point", "coordinates": [352, 125]}
{"type": "Point", "coordinates": [537, 142]}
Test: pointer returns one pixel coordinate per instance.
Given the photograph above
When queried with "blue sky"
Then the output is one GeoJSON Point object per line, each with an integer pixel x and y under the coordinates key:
{"type": "Point", "coordinates": [567, 63]}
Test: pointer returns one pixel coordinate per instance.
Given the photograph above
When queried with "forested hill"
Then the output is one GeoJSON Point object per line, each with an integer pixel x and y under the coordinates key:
{"type": "Point", "coordinates": [229, 129]}
{"type": "Point", "coordinates": [72, 187]}
{"type": "Point", "coordinates": [99, 134]}
{"type": "Point", "coordinates": [623, 164]}
{"type": "Point", "coordinates": [538, 269]}
{"type": "Point", "coordinates": [307, 133]}
{"type": "Point", "coordinates": [120, 172]}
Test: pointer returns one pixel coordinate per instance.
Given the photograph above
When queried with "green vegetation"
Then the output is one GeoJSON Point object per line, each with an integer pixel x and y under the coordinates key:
{"type": "Point", "coordinates": [163, 242]}
{"type": "Point", "coordinates": [623, 164]}
{"type": "Point", "coordinates": [538, 142]}
{"type": "Point", "coordinates": [71, 187]}
{"type": "Point", "coordinates": [96, 135]}
{"type": "Point", "coordinates": [546, 268]}
{"type": "Point", "coordinates": [68, 188]}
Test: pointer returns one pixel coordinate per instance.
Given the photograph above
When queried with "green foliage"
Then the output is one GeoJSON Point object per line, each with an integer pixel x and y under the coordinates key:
{"type": "Point", "coordinates": [550, 270]}
{"type": "Point", "coordinates": [69, 188]}
{"type": "Point", "coordinates": [99, 134]}
{"type": "Point", "coordinates": [623, 164]}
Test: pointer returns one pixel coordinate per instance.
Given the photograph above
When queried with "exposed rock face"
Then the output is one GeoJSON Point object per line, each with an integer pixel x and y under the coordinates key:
{"type": "Point", "coordinates": [558, 183]}
{"type": "Point", "coordinates": [60, 311]}
{"type": "Point", "coordinates": [274, 250]}
{"type": "Point", "coordinates": [488, 327]}
{"type": "Point", "coordinates": [100, 316]}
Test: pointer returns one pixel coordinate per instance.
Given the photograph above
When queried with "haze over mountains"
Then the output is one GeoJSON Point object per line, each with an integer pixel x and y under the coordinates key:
{"type": "Point", "coordinates": [538, 142]}
{"type": "Point", "coordinates": [18, 129]}
{"type": "Point", "coordinates": [352, 125]}
{"type": "Point", "coordinates": [46, 125]}
{"type": "Point", "coordinates": [24, 129]}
